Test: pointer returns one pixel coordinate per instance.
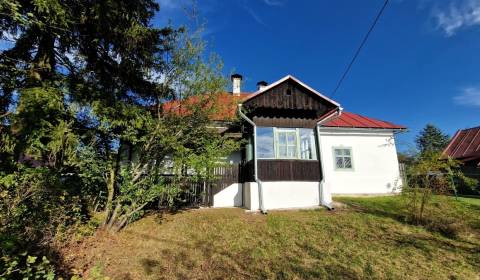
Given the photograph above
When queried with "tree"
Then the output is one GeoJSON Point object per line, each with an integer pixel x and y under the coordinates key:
{"type": "Point", "coordinates": [90, 76]}
{"type": "Point", "coordinates": [178, 140]}
{"type": "Point", "coordinates": [431, 139]}
{"type": "Point", "coordinates": [428, 175]}
{"type": "Point", "coordinates": [82, 73]}
{"type": "Point", "coordinates": [80, 79]}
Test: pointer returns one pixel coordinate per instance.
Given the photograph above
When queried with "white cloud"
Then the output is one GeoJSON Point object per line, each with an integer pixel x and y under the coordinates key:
{"type": "Point", "coordinates": [459, 15]}
{"type": "Point", "coordinates": [468, 97]}
{"type": "Point", "coordinates": [254, 15]}
{"type": "Point", "coordinates": [274, 2]}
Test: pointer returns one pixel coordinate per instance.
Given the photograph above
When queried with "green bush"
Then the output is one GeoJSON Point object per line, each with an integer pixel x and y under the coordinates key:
{"type": "Point", "coordinates": [25, 266]}
{"type": "Point", "coordinates": [430, 175]}
{"type": "Point", "coordinates": [34, 206]}
{"type": "Point", "coordinates": [36, 213]}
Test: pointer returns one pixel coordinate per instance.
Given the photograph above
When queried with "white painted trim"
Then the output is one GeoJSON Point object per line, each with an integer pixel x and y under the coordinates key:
{"type": "Point", "coordinates": [358, 130]}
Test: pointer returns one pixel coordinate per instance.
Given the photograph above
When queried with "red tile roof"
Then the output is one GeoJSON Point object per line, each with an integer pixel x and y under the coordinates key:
{"type": "Point", "coordinates": [351, 120]}
{"type": "Point", "coordinates": [465, 145]}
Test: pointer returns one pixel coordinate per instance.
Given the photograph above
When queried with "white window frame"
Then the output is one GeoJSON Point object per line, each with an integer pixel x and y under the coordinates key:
{"type": "Point", "coordinates": [276, 143]}
{"type": "Point", "coordinates": [298, 155]}
{"type": "Point", "coordinates": [335, 159]}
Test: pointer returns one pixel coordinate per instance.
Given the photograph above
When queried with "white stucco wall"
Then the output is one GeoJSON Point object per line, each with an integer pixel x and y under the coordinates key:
{"type": "Point", "coordinates": [375, 164]}
{"type": "Point", "coordinates": [231, 196]}
{"type": "Point", "coordinates": [283, 194]}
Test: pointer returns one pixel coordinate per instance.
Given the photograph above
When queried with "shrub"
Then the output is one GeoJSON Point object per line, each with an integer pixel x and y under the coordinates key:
{"type": "Point", "coordinates": [25, 266]}
{"type": "Point", "coordinates": [430, 174]}
{"type": "Point", "coordinates": [34, 206]}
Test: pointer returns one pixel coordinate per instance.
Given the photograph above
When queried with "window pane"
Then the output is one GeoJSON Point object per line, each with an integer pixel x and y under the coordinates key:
{"type": "Point", "coordinates": [343, 158]}
{"type": "Point", "coordinates": [308, 149]}
{"type": "Point", "coordinates": [339, 162]}
{"type": "Point", "coordinates": [292, 151]}
{"type": "Point", "coordinates": [265, 142]}
{"type": "Point", "coordinates": [291, 138]}
{"type": "Point", "coordinates": [286, 143]}
{"type": "Point", "coordinates": [347, 162]}
{"type": "Point", "coordinates": [282, 151]}
{"type": "Point", "coordinates": [282, 138]}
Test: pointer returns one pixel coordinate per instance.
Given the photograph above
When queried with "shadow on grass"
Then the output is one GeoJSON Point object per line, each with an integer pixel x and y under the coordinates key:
{"type": "Point", "coordinates": [219, 263]}
{"type": "Point", "coordinates": [423, 242]}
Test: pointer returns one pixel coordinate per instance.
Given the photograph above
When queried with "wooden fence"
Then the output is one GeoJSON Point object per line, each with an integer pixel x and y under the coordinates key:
{"type": "Point", "coordinates": [200, 192]}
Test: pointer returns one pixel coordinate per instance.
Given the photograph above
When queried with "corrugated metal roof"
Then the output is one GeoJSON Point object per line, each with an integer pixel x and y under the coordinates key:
{"type": "Point", "coordinates": [226, 109]}
{"type": "Point", "coordinates": [351, 120]}
{"type": "Point", "coordinates": [465, 144]}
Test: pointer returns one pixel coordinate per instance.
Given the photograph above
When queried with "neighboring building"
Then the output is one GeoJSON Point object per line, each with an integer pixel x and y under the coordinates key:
{"type": "Point", "coordinates": [302, 148]}
{"type": "Point", "coordinates": [465, 147]}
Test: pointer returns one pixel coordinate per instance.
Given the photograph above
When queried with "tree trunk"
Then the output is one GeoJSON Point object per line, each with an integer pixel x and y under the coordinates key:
{"type": "Point", "coordinates": [113, 218]}
{"type": "Point", "coordinates": [111, 193]}
{"type": "Point", "coordinates": [44, 61]}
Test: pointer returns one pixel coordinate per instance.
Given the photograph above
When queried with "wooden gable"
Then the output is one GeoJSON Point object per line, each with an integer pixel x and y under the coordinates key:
{"type": "Point", "coordinates": [288, 104]}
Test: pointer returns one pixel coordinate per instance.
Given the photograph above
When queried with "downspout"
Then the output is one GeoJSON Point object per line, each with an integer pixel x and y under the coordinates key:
{"type": "Point", "coordinates": [255, 162]}
{"type": "Point", "coordinates": [337, 114]}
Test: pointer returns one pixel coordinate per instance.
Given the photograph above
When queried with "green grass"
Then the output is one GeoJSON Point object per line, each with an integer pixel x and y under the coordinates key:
{"type": "Point", "coordinates": [470, 200]}
{"type": "Point", "coordinates": [366, 240]}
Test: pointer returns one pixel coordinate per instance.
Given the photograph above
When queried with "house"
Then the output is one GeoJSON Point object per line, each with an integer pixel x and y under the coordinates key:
{"type": "Point", "coordinates": [302, 148]}
{"type": "Point", "coordinates": [465, 146]}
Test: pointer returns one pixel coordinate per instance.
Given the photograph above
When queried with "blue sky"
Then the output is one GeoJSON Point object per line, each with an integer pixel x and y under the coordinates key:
{"type": "Point", "coordinates": [421, 64]}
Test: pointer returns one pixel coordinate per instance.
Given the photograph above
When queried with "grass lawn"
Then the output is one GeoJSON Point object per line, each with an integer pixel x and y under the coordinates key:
{"type": "Point", "coordinates": [471, 200]}
{"type": "Point", "coordinates": [366, 240]}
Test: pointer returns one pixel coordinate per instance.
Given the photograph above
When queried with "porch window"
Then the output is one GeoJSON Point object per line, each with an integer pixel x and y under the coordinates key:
{"type": "Point", "coordinates": [286, 143]}
{"type": "Point", "coordinates": [343, 158]}
{"type": "Point", "coordinates": [265, 148]}
{"type": "Point", "coordinates": [307, 144]}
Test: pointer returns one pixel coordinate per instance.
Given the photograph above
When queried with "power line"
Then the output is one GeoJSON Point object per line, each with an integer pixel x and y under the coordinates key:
{"type": "Point", "coordinates": [380, 12]}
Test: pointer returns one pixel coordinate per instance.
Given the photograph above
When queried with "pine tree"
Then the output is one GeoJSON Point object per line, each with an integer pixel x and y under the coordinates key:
{"type": "Point", "coordinates": [431, 139]}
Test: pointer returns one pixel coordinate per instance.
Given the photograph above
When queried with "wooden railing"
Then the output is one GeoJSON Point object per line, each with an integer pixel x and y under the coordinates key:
{"type": "Point", "coordinates": [200, 192]}
{"type": "Point", "coordinates": [289, 170]}
{"type": "Point", "coordinates": [283, 170]}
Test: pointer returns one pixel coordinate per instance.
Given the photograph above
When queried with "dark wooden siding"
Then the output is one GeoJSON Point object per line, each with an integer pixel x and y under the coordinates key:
{"type": "Point", "coordinates": [300, 99]}
{"type": "Point", "coordinates": [288, 170]}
